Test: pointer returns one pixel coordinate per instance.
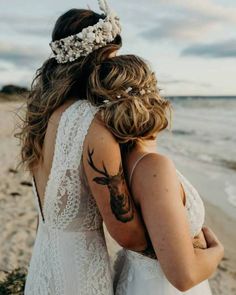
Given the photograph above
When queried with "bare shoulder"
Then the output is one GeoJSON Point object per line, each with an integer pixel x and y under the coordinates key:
{"type": "Point", "coordinates": [104, 146]}
{"type": "Point", "coordinates": [155, 175]}
{"type": "Point", "coordinates": [57, 113]}
{"type": "Point", "coordinates": [156, 163]}
{"type": "Point", "coordinates": [99, 132]}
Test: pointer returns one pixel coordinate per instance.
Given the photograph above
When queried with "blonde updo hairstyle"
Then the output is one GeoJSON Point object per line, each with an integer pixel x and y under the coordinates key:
{"type": "Point", "coordinates": [131, 105]}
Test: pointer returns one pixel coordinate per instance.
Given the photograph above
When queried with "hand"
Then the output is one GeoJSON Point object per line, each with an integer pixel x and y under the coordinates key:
{"type": "Point", "coordinates": [199, 241]}
{"type": "Point", "coordinates": [212, 240]}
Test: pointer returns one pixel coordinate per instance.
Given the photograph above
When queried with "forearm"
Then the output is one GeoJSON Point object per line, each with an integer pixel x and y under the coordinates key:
{"type": "Point", "coordinates": [138, 241]}
{"type": "Point", "coordinates": [195, 270]}
{"type": "Point", "coordinates": [206, 262]}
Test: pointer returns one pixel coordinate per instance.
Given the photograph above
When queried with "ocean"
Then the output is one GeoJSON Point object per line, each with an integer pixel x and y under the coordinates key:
{"type": "Point", "coordinates": [203, 138]}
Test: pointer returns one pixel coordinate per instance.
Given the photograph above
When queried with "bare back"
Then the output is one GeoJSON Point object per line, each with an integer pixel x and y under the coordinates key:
{"type": "Point", "coordinates": [42, 170]}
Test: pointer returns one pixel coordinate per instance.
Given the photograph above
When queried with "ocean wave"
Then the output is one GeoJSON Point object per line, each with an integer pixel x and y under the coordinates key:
{"type": "Point", "coordinates": [231, 193]}
{"type": "Point", "coordinates": [183, 132]}
{"type": "Point", "coordinates": [227, 163]}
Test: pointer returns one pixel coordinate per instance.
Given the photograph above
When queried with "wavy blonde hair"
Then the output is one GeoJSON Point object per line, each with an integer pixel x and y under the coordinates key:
{"type": "Point", "coordinates": [131, 116]}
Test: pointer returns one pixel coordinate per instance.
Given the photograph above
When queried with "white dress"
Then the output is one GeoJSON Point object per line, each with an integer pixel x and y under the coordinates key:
{"type": "Point", "coordinates": [136, 274]}
{"type": "Point", "coordinates": [70, 254]}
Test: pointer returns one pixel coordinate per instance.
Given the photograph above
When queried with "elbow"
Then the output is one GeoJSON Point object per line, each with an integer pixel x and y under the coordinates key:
{"type": "Point", "coordinates": [131, 244]}
{"type": "Point", "coordinates": [183, 286]}
{"type": "Point", "coordinates": [130, 240]}
{"type": "Point", "coordinates": [184, 282]}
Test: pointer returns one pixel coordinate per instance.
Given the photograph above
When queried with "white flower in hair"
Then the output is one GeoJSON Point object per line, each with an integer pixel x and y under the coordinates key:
{"type": "Point", "coordinates": [128, 89]}
{"type": "Point", "coordinates": [107, 27]}
{"type": "Point", "coordinates": [89, 39]}
{"type": "Point", "coordinates": [80, 35]}
{"type": "Point", "coordinates": [142, 91]}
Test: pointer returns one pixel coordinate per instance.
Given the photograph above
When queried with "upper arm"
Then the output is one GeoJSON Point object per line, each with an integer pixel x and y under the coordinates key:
{"type": "Point", "coordinates": [157, 189]}
{"type": "Point", "coordinates": [103, 167]}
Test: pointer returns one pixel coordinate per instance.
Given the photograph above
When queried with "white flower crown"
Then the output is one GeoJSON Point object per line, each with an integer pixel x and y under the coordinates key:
{"type": "Point", "coordinates": [89, 39]}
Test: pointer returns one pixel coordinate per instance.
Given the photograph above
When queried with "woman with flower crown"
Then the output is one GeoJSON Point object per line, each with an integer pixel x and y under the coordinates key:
{"type": "Point", "coordinates": [70, 254]}
{"type": "Point", "coordinates": [86, 104]}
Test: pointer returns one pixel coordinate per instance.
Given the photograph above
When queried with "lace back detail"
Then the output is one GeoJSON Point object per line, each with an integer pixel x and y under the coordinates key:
{"type": "Point", "coordinates": [63, 189]}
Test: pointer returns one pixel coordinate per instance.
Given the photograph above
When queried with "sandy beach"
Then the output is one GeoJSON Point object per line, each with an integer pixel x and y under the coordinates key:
{"type": "Point", "coordinates": [18, 214]}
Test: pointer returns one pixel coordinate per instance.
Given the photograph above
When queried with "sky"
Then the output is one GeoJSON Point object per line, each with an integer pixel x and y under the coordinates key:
{"type": "Point", "coordinates": [190, 44]}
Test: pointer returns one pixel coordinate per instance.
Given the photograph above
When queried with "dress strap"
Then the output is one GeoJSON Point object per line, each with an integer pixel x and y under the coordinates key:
{"type": "Point", "coordinates": [135, 165]}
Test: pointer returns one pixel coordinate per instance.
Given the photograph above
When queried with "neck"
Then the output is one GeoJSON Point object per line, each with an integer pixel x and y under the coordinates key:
{"type": "Point", "coordinates": [149, 146]}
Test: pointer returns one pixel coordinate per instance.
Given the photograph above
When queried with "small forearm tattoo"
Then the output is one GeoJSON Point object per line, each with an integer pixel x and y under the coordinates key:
{"type": "Point", "coordinates": [120, 201]}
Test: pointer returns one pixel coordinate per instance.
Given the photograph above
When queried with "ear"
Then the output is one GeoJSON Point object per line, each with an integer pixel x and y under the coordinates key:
{"type": "Point", "coordinates": [101, 180]}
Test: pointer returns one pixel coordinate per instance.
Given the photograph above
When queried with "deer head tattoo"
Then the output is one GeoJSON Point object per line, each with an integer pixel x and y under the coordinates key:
{"type": "Point", "coordinates": [120, 202]}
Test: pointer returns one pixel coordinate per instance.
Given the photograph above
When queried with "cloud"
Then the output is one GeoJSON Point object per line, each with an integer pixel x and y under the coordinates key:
{"type": "Point", "coordinates": [206, 9]}
{"type": "Point", "coordinates": [3, 69]}
{"type": "Point", "coordinates": [35, 31]}
{"type": "Point", "coordinates": [23, 56]}
{"type": "Point", "coordinates": [179, 28]}
{"type": "Point", "coordinates": [36, 26]}
{"type": "Point", "coordinates": [189, 20]}
{"type": "Point", "coordinates": [224, 49]}
{"type": "Point", "coordinates": [16, 18]}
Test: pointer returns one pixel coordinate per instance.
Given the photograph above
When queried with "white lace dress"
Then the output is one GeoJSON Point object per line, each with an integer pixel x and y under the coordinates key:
{"type": "Point", "coordinates": [70, 255]}
{"type": "Point", "coordinates": [140, 275]}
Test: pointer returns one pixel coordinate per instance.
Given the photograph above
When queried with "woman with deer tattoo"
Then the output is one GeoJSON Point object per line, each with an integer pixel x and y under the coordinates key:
{"type": "Point", "coordinates": [182, 252]}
